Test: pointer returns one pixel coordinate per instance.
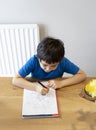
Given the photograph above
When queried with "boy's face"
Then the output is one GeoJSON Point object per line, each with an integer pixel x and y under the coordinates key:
{"type": "Point", "coordinates": [48, 67]}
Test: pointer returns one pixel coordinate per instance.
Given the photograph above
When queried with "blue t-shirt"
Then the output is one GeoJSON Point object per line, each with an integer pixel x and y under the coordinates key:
{"type": "Point", "coordinates": [32, 67]}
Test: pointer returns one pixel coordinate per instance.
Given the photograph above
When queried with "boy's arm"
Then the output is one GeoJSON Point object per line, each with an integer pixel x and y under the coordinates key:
{"type": "Point", "coordinates": [59, 83]}
{"type": "Point", "coordinates": [23, 83]}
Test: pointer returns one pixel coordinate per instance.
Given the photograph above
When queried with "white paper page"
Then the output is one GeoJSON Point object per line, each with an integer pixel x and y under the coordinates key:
{"type": "Point", "coordinates": [36, 104]}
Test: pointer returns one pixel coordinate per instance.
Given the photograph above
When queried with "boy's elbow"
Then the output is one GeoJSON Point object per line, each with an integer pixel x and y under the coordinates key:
{"type": "Point", "coordinates": [15, 79]}
{"type": "Point", "coordinates": [84, 76]}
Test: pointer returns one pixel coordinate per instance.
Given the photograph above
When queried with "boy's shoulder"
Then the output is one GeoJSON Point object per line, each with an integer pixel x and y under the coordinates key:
{"type": "Point", "coordinates": [65, 59]}
{"type": "Point", "coordinates": [34, 57]}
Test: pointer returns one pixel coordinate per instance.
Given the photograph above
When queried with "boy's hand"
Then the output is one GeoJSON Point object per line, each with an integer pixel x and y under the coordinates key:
{"type": "Point", "coordinates": [55, 84]}
{"type": "Point", "coordinates": [42, 90]}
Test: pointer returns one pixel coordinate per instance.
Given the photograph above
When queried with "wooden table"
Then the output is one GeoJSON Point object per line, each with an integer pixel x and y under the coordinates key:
{"type": "Point", "coordinates": [76, 113]}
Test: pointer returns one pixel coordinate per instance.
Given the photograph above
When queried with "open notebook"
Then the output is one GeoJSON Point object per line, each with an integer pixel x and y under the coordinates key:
{"type": "Point", "coordinates": [36, 105]}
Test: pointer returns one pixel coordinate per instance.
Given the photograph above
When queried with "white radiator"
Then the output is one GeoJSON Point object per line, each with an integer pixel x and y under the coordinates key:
{"type": "Point", "coordinates": [18, 43]}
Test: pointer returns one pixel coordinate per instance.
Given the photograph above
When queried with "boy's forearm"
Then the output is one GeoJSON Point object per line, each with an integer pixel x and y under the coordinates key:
{"type": "Point", "coordinates": [27, 84]}
{"type": "Point", "coordinates": [72, 80]}
{"type": "Point", "coordinates": [23, 83]}
{"type": "Point", "coordinates": [79, 77]}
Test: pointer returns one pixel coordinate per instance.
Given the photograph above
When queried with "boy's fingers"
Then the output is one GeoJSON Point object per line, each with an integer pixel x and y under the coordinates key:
{"type": "Point", "coordinates": [51, 84]}
{"type": "Point", "coordinates": [44, 91]}
{"type": "Point", "coordinates": [48, 86]}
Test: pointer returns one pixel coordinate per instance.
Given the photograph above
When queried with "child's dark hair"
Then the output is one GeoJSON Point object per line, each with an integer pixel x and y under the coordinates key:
{"type": "Point", "coordinates": [51, 50]}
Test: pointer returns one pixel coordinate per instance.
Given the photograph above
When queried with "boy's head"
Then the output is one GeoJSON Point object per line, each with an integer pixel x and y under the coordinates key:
{"type": "Point", "coordinates": [50, 52]}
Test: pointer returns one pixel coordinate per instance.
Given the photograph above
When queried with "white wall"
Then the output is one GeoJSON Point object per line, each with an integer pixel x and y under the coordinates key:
{"type": "Point", "coordinates": [73, 21]}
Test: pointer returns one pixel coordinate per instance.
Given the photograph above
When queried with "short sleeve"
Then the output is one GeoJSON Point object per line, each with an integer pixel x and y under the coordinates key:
{"type": "Point", "coordinates": [69, 67]}
{"type": "Point", "coordinates": [27, 68]}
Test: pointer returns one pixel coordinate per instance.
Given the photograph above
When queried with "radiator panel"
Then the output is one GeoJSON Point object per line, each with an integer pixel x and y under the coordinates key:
{"type": "Point", "coordinates": [18, 42]}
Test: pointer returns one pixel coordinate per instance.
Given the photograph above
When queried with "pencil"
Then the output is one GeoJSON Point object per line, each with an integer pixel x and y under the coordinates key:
{"type": "Point", "coordinates": [42, 84]}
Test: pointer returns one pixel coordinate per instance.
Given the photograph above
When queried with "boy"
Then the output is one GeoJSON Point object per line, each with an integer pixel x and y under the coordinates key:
{"type": "Point", "coordinates": [48, 64]}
